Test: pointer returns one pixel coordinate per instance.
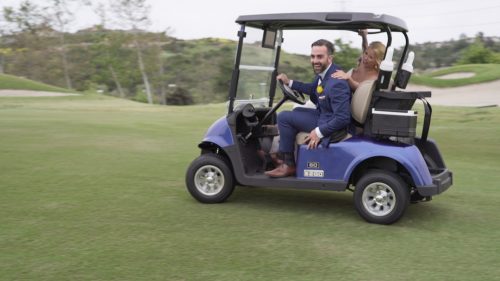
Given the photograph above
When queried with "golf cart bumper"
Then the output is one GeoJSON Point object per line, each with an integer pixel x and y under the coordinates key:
{"type": "Point", "coordinates": [440, 182]}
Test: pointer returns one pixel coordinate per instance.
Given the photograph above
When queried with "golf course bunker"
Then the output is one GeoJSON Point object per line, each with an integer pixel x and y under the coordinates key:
{"type": "Point", "coordinates": [457, 75]}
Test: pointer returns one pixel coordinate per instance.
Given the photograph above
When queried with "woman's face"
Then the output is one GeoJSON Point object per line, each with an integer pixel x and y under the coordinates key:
{"type": "Point", "coordinates": [369, 58]}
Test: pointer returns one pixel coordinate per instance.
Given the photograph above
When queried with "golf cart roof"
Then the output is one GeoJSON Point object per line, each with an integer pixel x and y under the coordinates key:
{"type": "Point", "coordinates": [327, 20]}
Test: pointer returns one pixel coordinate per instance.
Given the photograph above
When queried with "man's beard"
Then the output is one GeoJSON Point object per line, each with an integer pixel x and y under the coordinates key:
{"type": "Point", "coordinates": [320, 68]}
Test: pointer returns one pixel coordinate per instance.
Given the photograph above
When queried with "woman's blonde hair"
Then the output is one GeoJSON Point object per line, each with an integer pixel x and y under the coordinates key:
{"type": "Point", "coordinates": [379, 50]}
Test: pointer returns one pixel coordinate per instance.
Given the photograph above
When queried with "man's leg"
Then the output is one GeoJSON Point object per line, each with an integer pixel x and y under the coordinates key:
{"type": "Point", "coordinates": [289, 124]}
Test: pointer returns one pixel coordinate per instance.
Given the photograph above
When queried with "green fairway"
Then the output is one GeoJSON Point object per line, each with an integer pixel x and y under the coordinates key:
{"type": "Point", "coordinates": [92, 188]}
{"type": "Point", "coordinates": [19, 83]}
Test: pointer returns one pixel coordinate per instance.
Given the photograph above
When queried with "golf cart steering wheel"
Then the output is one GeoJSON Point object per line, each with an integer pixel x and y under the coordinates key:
{"type": "Point", "coordinates": [292, 94]}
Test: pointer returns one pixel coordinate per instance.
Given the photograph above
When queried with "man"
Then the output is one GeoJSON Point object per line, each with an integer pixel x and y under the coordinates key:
{"type": "Point", "coordinates": [328, 122]}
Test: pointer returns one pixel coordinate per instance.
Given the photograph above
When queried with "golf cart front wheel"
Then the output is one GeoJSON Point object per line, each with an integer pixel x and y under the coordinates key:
{"type": "Point", "coordinates": [381, 197]}
{"type": "Point", "coordinates": [209, 179]}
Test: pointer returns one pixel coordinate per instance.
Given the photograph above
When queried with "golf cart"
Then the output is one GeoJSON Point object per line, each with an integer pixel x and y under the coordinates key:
{"type": "Point", "coordinates": [384, 163]}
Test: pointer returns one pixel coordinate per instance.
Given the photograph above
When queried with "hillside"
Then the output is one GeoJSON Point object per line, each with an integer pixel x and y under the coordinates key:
{"type": "Point", "coordinates": [19, 83]}
{"type": "Point", "coordinates": [179, 71]}
{"type": "Point", "coordinates": [204, 67]}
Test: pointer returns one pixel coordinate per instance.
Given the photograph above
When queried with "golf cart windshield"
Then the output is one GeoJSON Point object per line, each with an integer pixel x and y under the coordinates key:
{"type": "Point", "coordinates": [256, 69]}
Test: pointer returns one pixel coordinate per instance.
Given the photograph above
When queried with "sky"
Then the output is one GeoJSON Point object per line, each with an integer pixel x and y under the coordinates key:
{"type": "Point", "coordinates": [427, 20]}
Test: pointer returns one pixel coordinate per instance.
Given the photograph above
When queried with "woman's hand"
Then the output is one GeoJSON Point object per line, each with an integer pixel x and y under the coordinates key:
{"type": "Point", "coordinates": [339, 74]}
{"type": "Point", "coordinates": [362, 32]}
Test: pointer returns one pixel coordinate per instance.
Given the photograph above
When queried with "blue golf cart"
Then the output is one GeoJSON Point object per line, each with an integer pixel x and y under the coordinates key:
{"type": "Point", "coordinates": [383, 161]}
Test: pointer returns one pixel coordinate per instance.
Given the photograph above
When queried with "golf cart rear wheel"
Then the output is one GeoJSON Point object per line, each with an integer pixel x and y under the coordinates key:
{"type": "Point", "coordinates": [381, 197]}
{"type": "Point", "coordinates": [209, 179]}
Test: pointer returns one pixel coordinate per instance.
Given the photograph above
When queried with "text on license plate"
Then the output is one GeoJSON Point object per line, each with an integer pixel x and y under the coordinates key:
{"type": "Point", "coordinates": [314, 173]}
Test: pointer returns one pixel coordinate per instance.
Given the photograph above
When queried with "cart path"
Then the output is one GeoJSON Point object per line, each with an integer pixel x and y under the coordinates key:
{"type": "Point", "coordinates": [477, 95]}
{"type": "Point", "coordinates": [29, 93]}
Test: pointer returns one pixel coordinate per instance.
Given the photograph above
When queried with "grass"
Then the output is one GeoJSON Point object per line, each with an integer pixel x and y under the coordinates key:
{"type": "Point", "coordinates": [18, 83]}
{"type": "Point", "coordinates": [483, 73]}
{"type": "Point", "coordinates": [92, 188]}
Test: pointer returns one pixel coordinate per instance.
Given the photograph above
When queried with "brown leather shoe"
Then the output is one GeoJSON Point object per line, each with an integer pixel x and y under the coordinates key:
{"type": "Point", "coordinates": [282, 171]}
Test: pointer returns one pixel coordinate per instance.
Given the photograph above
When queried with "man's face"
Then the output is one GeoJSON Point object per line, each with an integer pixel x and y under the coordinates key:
{"type": "Point", "coordinates": [320, 59]}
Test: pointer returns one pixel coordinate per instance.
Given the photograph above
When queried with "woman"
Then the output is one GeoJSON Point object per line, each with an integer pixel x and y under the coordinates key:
{"type": "Point", "coordinates": [368, 65]}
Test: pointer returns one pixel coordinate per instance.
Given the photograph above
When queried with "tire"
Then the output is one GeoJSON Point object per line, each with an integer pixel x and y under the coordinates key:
{"type": "Point", "coordinates": [209, 179]}
{"type": "Point", "coordinates": [381, 197]}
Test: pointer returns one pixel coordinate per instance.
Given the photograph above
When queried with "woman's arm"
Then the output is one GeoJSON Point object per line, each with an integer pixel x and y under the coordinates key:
{"type": "Point", "coordinates": [339, 74]}
{"type": "Point", "coordinates": [364, 43]}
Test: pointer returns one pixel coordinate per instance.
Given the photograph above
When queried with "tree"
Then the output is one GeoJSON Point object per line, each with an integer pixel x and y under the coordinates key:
{"type": "Point", "coordinates": [27, 17]}
{"type": "Point", "coordinates": [345, 55]}
{"type": "Point", "coordinates": [135, 14]}
{"type": "Point", "coordinates": [59, 15]}
{"type": "Point", "coordinates": [477, 53]}
{"type": "Point", "coordinates": [23, 24]}
{"type": "Point", "coordinates": [107, 47]}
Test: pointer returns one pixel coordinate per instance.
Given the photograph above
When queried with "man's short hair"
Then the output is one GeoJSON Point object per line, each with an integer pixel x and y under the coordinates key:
{"type": "Point", "coordinates": [323, 42]}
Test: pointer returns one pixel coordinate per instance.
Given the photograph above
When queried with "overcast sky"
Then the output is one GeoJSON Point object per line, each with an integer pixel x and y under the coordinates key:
{"type": "Point", "coordinates": [427, 20]}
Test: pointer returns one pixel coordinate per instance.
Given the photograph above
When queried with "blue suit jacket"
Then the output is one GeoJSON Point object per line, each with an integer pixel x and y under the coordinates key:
{"type": "Point", "coordinates": [333, 104]}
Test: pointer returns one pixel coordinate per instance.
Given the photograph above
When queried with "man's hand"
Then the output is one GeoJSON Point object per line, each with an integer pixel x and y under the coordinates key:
{"type": "Point", "coordinates": [312, 140]}
{"type": "Point", "coordinates": [283, 78]}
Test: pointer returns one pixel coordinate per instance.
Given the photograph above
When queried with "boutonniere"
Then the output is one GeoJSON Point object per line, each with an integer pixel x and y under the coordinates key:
{"type": "Point", "coordinates": [319, 89]}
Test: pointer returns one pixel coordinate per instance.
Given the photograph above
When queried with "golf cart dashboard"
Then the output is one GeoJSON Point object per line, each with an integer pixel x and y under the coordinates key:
{"type": "Point", "coordinates": [247, 121]}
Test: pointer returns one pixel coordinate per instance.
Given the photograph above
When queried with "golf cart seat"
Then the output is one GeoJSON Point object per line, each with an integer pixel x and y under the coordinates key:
{"type": "Point", "coordinates": [360, 105]}
{"type": "Point", "coordinates": [360, 101]}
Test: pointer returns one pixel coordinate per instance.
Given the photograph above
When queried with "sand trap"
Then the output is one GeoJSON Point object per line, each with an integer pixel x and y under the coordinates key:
{"type": "Point", "coordinates": [457, 75]}
{"type": "Point", "coordinates": [477, 95]}
{"type": "Point", "coordinates": [26, 93]}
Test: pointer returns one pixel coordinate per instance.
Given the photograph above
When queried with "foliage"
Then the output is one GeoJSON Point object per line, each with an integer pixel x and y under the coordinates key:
{"type": "Point", "coordinates": [432, 55]}
{"type": "Point", "coordinates": [483, 73]}
{"type": "Point", "coordinates": [92, 188]}
{"type": "Point", "coordinates": [477, 53]}
{"type": "Point", "coordinates": [28, 17]}
{"type": "Point", "coordinates": [179, 96]}
{"type": "Point", "coordinates": [345, 55]}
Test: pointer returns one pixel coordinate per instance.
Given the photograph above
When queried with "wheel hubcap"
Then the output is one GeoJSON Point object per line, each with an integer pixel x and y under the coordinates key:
{"type": "Point", "coordinates": [209, 180]}
{"type": "Point", "coordinates": [379, 199]}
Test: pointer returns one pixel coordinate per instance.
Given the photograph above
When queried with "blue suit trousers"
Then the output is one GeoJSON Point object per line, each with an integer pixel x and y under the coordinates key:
{"type": "Point", "coordinates": [290, 123]}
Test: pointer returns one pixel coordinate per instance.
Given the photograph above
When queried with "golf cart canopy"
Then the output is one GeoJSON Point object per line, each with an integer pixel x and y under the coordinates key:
{"type": "Point", "coordinates": [334, 20]}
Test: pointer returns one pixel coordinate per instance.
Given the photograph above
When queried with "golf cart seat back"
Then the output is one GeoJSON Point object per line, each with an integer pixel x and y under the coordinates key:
{"type": "Point", "coordinates": [360, 106]}
{"type": "Point", "coordinates": [361, 99]}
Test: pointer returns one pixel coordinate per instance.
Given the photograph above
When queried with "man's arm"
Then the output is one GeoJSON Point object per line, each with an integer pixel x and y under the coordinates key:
{"type": "Point", "coordinates": [306, 88]}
